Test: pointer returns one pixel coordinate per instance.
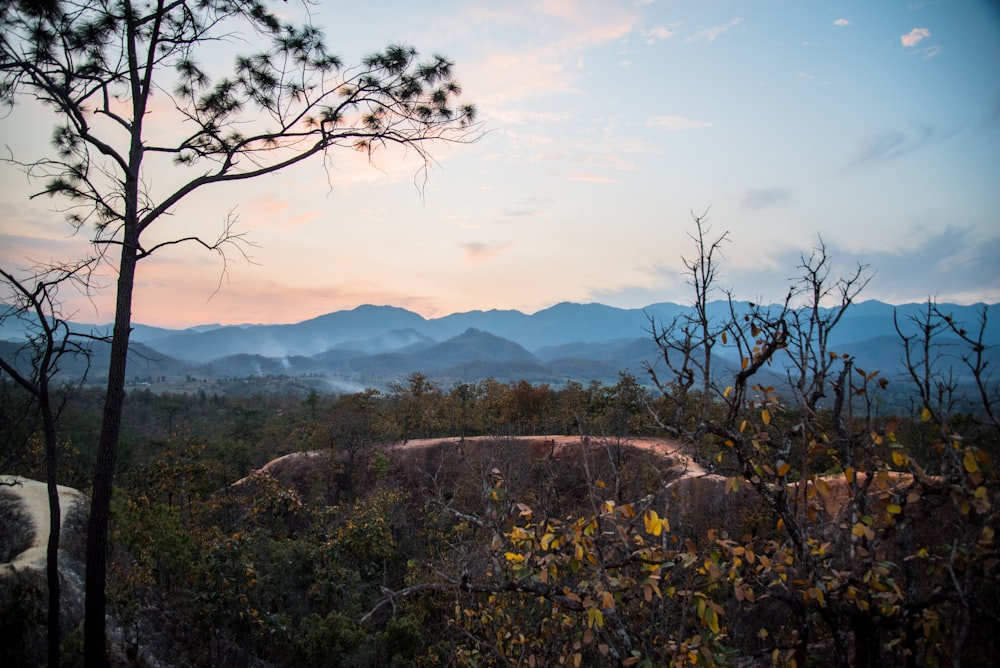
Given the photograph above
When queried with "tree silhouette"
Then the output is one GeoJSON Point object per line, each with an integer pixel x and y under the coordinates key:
{"type": "Point", "coordinates": [107, 67]}
{"type": "Point", "coordinates": [48, 340]}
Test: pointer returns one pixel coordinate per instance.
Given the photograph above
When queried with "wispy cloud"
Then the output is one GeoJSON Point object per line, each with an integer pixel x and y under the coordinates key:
{"type": "Point", "coordinates": [915, 36]}
{"type": "Point", "coordinates": [549, 54]}
{"type": "Point", "coordinates": [476, 252]}
{"type": "Point", "coordinates": [529, 207]}
{"type": "Point", "coordinates": [300, 219]}
{"type": "Point", "coordinates": [840, 23]}
{"type": "Point", "coordinates": [267, 205]}
{"type": "Point", "coordinates": [592, 178]}
{"type": "Point", "coordinates": [658, 32]}
{"type": "Point", "coordinates": [676, 123]}
{"type": "Point", "coordinates": [713, 33]}
{"type": "Point", "coordinates": [938, 265]}
{"type": "Point", "coordinates": [761, 198]}
{"type": "Point", "coordinates": [267, 209]}
{"type": "Point", "coordinates": [892, 144]}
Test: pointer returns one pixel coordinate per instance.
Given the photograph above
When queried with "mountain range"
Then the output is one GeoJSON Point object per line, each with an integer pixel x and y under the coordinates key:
{"type": "Point", "coordinates": [375, 346]}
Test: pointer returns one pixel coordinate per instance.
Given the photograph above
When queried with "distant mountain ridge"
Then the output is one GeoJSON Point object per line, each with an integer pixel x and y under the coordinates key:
{"type": "Point", "coordinates": [376, 345]}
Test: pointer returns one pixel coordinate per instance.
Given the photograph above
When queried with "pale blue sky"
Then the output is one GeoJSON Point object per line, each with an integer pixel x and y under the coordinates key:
{"type": "Point", "coordinates": [875, 125]}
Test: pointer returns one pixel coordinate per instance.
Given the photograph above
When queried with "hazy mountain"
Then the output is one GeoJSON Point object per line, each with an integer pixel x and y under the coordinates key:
{"type": "Point", "coordinates": [385, 329]}
{"type": "Point", "coordinates": [379, 345]}
{"type": "Point", "coordinates": [503, 323]}
{"type": "Point", "coordinates": [309, 337]}
{"type": "Point", "coordinates": [143, 362]}
{"type": "Point", "coordinates": [394, 339]}
{"type": "Point", "coordinates": [474, 345]}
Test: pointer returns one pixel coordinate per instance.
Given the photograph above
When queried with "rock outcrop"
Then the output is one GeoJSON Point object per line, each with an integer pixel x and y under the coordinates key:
{"type": "Point", "coordinates": [24, 533]}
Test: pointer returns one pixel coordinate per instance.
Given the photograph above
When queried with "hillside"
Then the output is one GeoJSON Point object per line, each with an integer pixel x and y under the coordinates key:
{"type": "Point", "coordinates": [377, 346]}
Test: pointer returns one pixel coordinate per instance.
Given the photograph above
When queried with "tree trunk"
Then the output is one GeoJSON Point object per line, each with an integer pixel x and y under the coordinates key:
{"type": "Point", "coordinates": [55, 524]}
{"type": "Point", "coordinates": [95, 651]}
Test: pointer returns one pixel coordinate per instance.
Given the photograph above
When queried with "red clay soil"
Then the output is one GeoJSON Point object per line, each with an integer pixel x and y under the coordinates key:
{"type": "Point", "coordinates": [560, 446]}
{"type": "Point", "coordinates": [536, 447]}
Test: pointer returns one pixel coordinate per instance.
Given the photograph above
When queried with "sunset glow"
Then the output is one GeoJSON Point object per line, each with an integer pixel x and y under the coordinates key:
{"type": "Point", "coordinates": [874, 126]}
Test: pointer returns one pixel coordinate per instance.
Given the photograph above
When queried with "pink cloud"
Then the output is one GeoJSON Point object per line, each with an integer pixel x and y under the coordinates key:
{"type": "Point", "coordinates": [591, 178]}
{"type": "Point", "coordinates": [840, 23]}
{"type": "Point", "coordinates": [549, 57]}
{"type": "Point", "coordinates": [267, 205]}
{"type": "Point", "coordinates": [305, 217]}
{"type": "Point", "coordinates": [477, 252]}
{"type": "Point", "coordinates": [915, 36]}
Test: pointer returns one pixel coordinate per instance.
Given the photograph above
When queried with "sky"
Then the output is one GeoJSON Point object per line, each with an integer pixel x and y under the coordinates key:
{"type": "Point", "coordinates": [872, 127]}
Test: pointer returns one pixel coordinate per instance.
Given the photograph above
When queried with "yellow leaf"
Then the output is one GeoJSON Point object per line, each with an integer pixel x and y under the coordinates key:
{"type": "Point", "coordinates": [783, 469]}
{"type": "Point", "coordinates": [765, 415]}
{"type": "Point", "coordinates": [894, 509]}
{"type": "Point", "coordinates": [654, 525]}
{"type": "Point", "coordinates": [514, 557]}
{"type": "Point", "coordinates": [899, 459]}
{"type": "Point", "coordinates": [925, 415]}
{"type": "Point", "coordinates": [971, 465]}
{"type": "Point", "coordinates": [849, 474]}
{"type": "Point", "coordinates": [595, 617]}
{"type": "Point", "coordinates": [728, 390]}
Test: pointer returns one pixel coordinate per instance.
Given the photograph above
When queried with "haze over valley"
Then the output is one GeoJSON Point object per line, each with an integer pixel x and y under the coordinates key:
{"type": "Point", "coordinates": [379, 346]}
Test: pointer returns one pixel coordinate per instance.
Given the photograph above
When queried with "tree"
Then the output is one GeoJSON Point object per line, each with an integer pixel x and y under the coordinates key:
{"type": "Point", "coordinates": [352, 428]}
{"type": "Point", "coordinates": [49, 340]}
{"type": "Point", "coordinates": [687, 342]}
{"type": "Point", "coordinates": [98, 65]}
{"type": "Point", "coordinates": [868, 552]}
{"type": "Point", "coordinates": [419, 406]}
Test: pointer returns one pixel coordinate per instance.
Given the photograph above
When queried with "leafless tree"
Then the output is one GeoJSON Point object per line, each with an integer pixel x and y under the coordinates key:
{"type": "Point", "coordinates": [34, 367]}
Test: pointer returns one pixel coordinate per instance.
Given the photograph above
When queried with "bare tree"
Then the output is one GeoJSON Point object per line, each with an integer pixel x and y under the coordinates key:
{"type": "Point", "coordinates": [98, 65]}
{"type": "Point", "coordinates": [811, 322]}
{"type": "Point", "coordinates": [781, 447]}
{"type": "Point", "coordinates": [933, 342]}
{"type": "Point", "coordinates": [686, 343]}
{"type": "Point", "coordinates": [48, 340]}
